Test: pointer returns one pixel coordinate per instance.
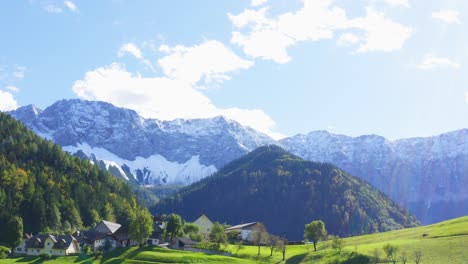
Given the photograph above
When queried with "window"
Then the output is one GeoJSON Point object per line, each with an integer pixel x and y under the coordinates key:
{"type": "Point", "coordinates": [38, 251]}
{"type": "Point", "coordinates": [50, 252]}
{"type": "Point", "coordinates": [19, 249]}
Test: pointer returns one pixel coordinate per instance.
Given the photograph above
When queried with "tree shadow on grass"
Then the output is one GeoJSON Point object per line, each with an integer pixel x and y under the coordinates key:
{"type": "Point", "coordinates": [83, 258]}
{"type": "Point", "coordinates": [296, 259]}
{"type": "Point", "coordinates": [120, 255]}
{"type": "Point", "coordinates": [29, 259]}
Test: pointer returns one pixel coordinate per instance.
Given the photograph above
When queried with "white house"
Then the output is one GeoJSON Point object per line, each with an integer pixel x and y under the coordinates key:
{"type": "Point", "coordinates": [61, 245]}
{"type": "Point", "coordinates": [204, 225]}
{"type": "Point", "coordinates": [245, 231]}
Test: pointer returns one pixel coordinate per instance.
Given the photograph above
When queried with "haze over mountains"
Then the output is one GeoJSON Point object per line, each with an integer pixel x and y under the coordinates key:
{"type": "Point", "coordinates": [427, 175]}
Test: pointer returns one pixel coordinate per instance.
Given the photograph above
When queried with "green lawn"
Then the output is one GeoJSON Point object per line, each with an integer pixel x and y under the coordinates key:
{"type": "Point", "coordinates": [135, 255]}
{"type": "Point", "coordinates": [445, 242]}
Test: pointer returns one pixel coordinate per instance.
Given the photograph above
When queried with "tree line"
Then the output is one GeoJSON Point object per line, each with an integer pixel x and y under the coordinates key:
{"type": "Point", "coordinates": [44, 189]}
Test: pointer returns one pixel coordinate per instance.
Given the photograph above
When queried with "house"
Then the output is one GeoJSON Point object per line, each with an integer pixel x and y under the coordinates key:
{"type": "Point", "coordinates": [183, 243]}
{"type": "Point", "coordinates": [204, 225]}
{"type": "Point", "coordinates": [21, 248]}
{"type": "Point", "coordinates": [106, 227]}
{"type": "Point", "coordinates": [245, 231]}
{"type": "Point", "coordinates": [158, 228]}
{"type": "Point", "coordinates": [105, 236]}
{"type": "Point", "coordinates": [61, 245]}
{"type": "Point", "coordinates": [97, 241]}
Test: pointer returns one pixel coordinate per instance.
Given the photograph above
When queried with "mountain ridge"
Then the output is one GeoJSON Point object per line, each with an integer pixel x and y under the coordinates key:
{"type": "Point", "coordinates": [285, 192]}
{"type": "Point", "coordinates": [428, 175]}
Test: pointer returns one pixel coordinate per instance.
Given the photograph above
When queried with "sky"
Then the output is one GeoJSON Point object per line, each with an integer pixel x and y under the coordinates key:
{"type": "Point", "coordinates": [396, 68]}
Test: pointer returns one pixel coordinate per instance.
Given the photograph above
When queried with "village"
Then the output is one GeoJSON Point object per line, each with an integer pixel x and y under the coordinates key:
{"type": "Point", "coordinates": [107, 236]}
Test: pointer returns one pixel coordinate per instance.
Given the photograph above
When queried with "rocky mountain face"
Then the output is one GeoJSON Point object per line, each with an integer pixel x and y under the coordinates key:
{"type": "Point", "coordinates": [429, 176]}
{"type": "Point", "coordinates": [146, 150]}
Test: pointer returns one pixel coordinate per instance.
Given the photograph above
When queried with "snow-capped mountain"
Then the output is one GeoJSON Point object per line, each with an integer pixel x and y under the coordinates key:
{"type": "Point", "coordinates": [147, 150]}
{"type": "Point", "coordinates": [429, 176]}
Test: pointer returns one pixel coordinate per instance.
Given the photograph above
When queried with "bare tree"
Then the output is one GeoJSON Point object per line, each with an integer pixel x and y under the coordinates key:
{"type": "Point", "coordinates": [391, 252]}
{"type": "Point", "coordinates": [281, 245]}
{"type": "Point", "coordinates": [271, 242]}
{"type": "Point", "coordinates": [418, 256]}
{"type": "Point", "coordinates": [259, 236]}
{"type": "Point", "coordinates": [376, 256]}
{"type": "Point", "coordinates": [403, 257]}
{"type": "Point", "coordinates": [337, 243]}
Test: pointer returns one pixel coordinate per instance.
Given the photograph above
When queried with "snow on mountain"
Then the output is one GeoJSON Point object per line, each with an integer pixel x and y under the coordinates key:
{"type": "Point", "coordinates": [162, 170]}
{"type": "Point", "coordinates": [429, 176]}
{"type": "Point", "coordinates": [148, 150]}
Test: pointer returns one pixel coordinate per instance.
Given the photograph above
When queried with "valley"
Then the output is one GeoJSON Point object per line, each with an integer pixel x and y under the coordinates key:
{"type": "Point", "coordinates": [438, 243]}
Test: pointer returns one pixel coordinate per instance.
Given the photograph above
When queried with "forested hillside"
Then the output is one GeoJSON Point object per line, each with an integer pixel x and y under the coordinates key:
{"type": "Point", "coordinates": [49, 190]}
{"type": "Point", "coordinates": [286, 192]}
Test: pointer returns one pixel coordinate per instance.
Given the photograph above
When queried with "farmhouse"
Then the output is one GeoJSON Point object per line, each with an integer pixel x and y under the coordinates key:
{"type": "Point", "coordinates": [244, 231]}
{"type": "Point", "coordinates": [158, 227]}
{"type": "Point", "coordinates": [61, 245]}
{"type": "Point", "coordinates": [21, 248]}
{"type": "Point", "coordinates": [105, 236]}
{"type": "Point", "coordinates": [204, 225]}
{"type": "Point", "coordinates": [183, 243]}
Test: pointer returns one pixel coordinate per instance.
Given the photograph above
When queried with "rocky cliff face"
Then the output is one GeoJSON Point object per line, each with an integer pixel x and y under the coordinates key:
{"type": "Point", "coordinates": [429, 176]}
{"type": "Point", "coordinates": [147, 150]}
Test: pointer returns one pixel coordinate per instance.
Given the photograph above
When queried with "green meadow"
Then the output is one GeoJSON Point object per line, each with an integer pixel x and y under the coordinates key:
{"type": "Point", "coordinates": [445, 242]}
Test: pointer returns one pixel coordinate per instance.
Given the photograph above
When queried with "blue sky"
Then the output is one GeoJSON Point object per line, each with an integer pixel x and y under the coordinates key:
{"type": "Point", "coordinates": [396, 68]}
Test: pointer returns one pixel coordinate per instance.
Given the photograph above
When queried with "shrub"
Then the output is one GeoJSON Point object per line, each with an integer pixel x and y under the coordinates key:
{"type": "Point", "coordinates": [45, 256]}
{"type": "Point", "coordinates": [4, 251]}
{"type": "Point", "coordinates": [196, 237]}
{"type": "Point", "coordinates": [98, 255]}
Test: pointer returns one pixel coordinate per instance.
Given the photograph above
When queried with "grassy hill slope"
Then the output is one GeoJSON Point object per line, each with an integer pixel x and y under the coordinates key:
{"type": "Point", "coordinates": [443, 242]}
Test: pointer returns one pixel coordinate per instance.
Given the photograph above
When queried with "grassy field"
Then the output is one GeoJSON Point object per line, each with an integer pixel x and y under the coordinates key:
{"type": "Point", "coordinates": [135, 255]}
{"type": "Point", "coordinates": [445, 242]}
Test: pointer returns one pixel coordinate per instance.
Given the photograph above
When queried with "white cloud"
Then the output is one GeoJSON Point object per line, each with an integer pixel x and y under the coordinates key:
{"type": "Point", "coordinates": [466, 97]}
{"type": "Point", "coordinates": [12, 88]}
{"type": "Point", "coordinates": [431, 62]}
{"type": "Point", "coordinates": [130, 48]}
{"type": "Point", "coordinates": [208, 62]}
{"type": "Point", "coordinates": [266, 37]}
{"type": "Point", "coordinates": [161, 97]}
{"type": "Point", "coordinates": [396, 3]}
{"type": "Point", "coordinates": [266, 44]}
{"type": "Point", "coordinates": [258, 2]}
{"type": "Point", "coordinates": [347, 39]}
{"type": "Point", "coordinates": [53, 9]}
{"type": "Point", "coordinates": [447, 16]}
{"type": "Point", "coordinates": [71, 5]}
{"type": "Point", "coordinates": [381, 33]}
{"type": "Point", "coordinates": [19, 72]}
{"type": "Point", "coordinates": [7, 101]}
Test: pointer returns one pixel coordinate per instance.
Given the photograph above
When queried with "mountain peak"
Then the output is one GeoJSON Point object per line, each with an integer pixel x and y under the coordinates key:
{"type": "Point", "coordinates": [272, 182]}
